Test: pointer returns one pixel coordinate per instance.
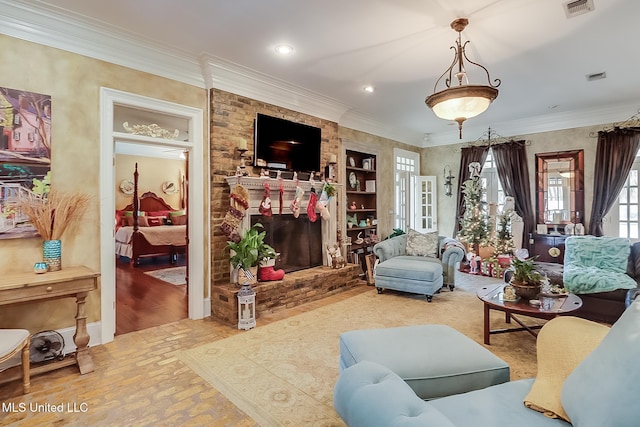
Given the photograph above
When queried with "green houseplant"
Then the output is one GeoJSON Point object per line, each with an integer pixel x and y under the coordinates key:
{"type": "Point", "coordinates": [250, 250]}
{"type": "Point", "coordinates": [525, 279]}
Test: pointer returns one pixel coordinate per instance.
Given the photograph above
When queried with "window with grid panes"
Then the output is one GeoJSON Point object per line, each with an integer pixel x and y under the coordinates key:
{"type": "Point", "coordinates": [491, 183]}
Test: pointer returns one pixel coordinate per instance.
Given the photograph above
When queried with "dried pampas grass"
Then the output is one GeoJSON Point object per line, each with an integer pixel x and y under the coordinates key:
{"type": "Point", "coordinates": [51, 216]}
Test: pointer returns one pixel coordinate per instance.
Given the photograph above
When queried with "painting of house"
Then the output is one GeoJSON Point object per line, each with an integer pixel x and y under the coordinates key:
{"type": "Point", "coordinates": [25, 155]}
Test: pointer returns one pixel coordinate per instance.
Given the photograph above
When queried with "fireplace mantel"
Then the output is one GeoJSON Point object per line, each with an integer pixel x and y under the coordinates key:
{"type": "Point", "coordinates": [256, 187]}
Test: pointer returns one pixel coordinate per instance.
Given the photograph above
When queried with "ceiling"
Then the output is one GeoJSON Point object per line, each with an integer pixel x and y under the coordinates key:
{"type": "Point", "coordinates": [400, 47]}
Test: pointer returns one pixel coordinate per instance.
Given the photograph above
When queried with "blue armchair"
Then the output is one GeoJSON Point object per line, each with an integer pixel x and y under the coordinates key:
{"type": "Point", "coordinates": [416, 274]}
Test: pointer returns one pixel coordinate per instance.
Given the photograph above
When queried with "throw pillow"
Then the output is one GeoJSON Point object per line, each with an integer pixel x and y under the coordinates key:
{"type": "Point", "coordinates": [419, 244]}
{"type": "Point", "coordinates": [179, 220]}
{"type": "Point", "coordinates": [154, 221]}
{"type": "Point", "coordinates": [558, 354]}
{"type": "Point", "coordinates": [603, 390]}
{"type": "Point", "coordinates": [158, 213]}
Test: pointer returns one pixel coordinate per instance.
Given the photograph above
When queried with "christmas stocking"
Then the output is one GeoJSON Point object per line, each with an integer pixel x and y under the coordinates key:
{"type": "Point", "coordinates": [281, 198]}
{"type": "Point", "coordinates": [311, 206]}
{"type": "Point", "coordinates": [238, 204]}
{"type": "Point", "coordinates": [323, 206]}
{"type": "Point", "coordinates": [266, 274]}
{"type": "Point", "coordinates": [265, 205]}
{"type": "Point", "coordinates": [295, 205]}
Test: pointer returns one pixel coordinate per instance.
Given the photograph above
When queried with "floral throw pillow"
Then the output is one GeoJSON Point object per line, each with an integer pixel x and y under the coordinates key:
{"type": "Point", "coordinates": [419, 244]}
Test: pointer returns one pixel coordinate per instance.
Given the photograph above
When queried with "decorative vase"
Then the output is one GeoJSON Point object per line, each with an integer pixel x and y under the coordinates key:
{"type": "Point", "coordinates": [40, 267]}
{"type": "Point", "coordinates": [525, 290]}
{"type": "Point", "coordinates": [52, 254]}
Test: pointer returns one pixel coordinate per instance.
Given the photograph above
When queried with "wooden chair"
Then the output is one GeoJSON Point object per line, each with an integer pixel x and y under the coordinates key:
{"type": "Point", "coordinates": [12, 341]}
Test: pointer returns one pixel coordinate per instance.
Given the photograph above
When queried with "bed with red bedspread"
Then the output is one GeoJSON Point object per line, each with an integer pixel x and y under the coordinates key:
{"type": "Point", "coordinates": [153, 229]}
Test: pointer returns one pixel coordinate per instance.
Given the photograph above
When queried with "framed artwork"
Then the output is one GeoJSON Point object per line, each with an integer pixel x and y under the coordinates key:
{"type": "Point", "coordinates": [541, 229]}
{"type": "Point", "coordinates": [25, 156]}
{"type": "Point", "coordinates": [353, 180]}
{"type": "Point", "coordinates": [366, 164]}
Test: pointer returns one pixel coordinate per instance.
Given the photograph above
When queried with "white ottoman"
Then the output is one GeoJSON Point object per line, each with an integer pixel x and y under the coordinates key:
{"type": "Point", "coordinates": [435, 360]}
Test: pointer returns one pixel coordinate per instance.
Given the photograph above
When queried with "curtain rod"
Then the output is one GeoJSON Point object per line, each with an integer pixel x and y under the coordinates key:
{"type": "Point", "coordinates": [491, 138]}
{"type": "Point", "coordinates": [633, 121]}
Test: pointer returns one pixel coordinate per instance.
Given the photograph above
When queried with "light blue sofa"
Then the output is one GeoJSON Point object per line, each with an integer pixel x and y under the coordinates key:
{"type": "Point", "coordinates": [601, 391]}
{"type": "Point", "coordinates": [416, 274]}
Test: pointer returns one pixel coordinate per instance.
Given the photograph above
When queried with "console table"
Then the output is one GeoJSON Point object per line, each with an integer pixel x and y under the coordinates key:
{"type": "Point", "coordinates": [69, 282]}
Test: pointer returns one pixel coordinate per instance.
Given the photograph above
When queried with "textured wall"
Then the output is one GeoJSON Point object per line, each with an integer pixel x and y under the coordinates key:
{"type": "Point", "coordinates": [384, 172]}
{"type": "Point", "coordinates": [74, 82]}
{"type": "Point", "coordinates": [153, 172]}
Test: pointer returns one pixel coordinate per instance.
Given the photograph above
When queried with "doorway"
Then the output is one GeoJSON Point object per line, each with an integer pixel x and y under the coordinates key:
{"type": "Point", "coordinates": [120, 110]}
{"type": "Point", "coordinates": [151, 290]}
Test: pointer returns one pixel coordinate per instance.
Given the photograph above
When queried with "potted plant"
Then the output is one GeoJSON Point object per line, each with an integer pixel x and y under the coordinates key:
{"type": "Point", "coordinates": [249, 250]}
{"type": "Point", "coordinates": [266, 266]}
{"type": "Point", "coordinates": [525, 279]}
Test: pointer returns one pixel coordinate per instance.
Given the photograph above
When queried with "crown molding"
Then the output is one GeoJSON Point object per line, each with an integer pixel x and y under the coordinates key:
{"type": "Point", "coordinates": [364, 123]}
{"type": "Point", "coordinates": [537, 124]}
{"type": "Point", "coordinates": [57, 28]}
{"type": "Point", "coordinates": [231, 77]}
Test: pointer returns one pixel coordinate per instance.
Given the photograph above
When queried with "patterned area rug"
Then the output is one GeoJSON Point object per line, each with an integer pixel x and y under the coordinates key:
{"type": "Point", "coordinates": [283, 373]}
{"type": "Point", "coordinates": [173, 275]}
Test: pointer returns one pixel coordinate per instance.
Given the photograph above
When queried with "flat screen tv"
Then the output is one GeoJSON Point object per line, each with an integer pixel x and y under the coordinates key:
{"type": "Point", "coordinates": [286, 145]}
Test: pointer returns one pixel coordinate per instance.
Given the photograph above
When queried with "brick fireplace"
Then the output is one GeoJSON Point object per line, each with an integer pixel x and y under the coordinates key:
{"type": "Point", "coordinates": [255, 187]}
{"type": "Point", "coordinates": [299, 286]}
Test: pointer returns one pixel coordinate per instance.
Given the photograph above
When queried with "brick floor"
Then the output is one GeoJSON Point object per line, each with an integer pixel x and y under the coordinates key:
{"type": "Point", "coordinates": [139, 381]}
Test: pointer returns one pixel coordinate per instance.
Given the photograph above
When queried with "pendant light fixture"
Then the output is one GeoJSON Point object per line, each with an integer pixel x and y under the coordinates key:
{"type": "Point", "coordinates": [462, 101]}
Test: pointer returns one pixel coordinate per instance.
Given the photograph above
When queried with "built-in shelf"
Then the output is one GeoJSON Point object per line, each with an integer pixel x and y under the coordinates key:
{"type": "Point", "coordinates": [360, 176]}
{"type": "Point", "coordinates": [371, 227]}
{"type": "Point", "coordinates": [361, 210]}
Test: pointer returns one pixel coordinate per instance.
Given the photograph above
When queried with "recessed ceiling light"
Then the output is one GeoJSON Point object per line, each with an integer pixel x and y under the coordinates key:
{"type": "Point", "coordinates": [284, 49]}
{"type": "Point", "coordinates": [369, 89]}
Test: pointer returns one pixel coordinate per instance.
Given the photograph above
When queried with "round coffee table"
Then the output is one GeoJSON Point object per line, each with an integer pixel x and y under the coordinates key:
{"type": "Point", "coordinates": [492, 298]}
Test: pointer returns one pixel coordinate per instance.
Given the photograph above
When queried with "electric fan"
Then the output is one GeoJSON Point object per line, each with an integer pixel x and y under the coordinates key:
{"type": "Point", "coordinates": [46, 345]}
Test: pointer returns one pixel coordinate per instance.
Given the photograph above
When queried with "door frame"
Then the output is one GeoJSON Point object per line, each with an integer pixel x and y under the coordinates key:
{"type": "Point", "coordinates": [408, 179]}
{"type": "Point", "coordinates": [422, 199]}
{"type": "Point", "coordinates": [197, 233]}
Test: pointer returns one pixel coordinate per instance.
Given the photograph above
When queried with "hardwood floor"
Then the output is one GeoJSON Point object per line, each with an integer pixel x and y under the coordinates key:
{"type": "Point", "coordinates": [143, 301]}
{"type": "Point", "coordinates": [139, 381]}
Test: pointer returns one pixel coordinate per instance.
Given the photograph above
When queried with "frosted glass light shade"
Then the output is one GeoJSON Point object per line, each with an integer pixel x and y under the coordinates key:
{"type": "Point", "coordinates": [461, 102]}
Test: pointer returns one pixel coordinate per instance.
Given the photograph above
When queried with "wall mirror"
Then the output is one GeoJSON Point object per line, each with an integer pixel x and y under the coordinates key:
{"type": "Point", "coordinates": [560, 188]}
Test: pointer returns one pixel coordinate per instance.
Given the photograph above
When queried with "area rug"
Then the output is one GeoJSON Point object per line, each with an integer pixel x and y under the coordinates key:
{"type": "Point", "coordinates": [173, 275]}
{"type": "Point", "coordinates": [283, 373]}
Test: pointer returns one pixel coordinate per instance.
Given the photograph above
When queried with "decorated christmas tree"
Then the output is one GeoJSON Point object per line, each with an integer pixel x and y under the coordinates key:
{"type": "Point", "coordinates": [503, 243]}
{"type": "Point", "coordinates": [474, 226]}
